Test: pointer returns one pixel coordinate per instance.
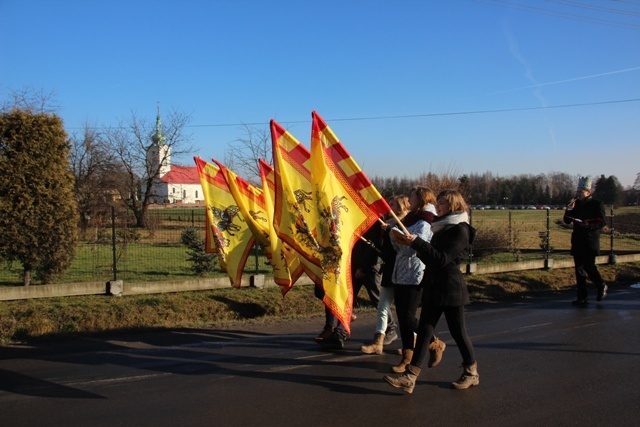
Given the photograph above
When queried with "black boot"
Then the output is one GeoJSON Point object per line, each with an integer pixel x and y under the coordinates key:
{"type": "Point", "coordinates": [602, 291]}
{"type": "Point", "coordinates": [335, 341]}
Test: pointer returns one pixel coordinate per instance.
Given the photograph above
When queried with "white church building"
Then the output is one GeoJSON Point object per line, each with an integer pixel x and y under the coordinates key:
{"type": "Point", "coordinates": [175, 184]}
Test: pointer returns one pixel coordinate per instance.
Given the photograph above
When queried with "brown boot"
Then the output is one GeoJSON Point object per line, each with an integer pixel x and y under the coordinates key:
{"type": "Point", "coordinates": [468, 378]}
{"type": "Point", "coordinates": [406, 381]}
{"type": "Point", "coordinates": [436, 348]}
{"type": "Point", "coordinates": [376, 346]}
{"type": "Point", "coordinates": [326, 333]}
{"type": "Point", "coordinates": [407, 354]}
{"type": "Point", "coordinates": [415, 339]}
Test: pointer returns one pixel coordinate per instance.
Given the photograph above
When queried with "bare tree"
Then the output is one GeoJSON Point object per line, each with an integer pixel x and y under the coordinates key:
{"type": "Point", "coordinates": [243, 154]}
{"type": "Point", "coordinates": [95, 172]}
{"type": "Point", "coordinates": [563, 187]}
{"type": "Point", "coordinates": [31, 100]}
{"type": "Point", "coordinates": [443, 180]}
{"type": "Point", "coordinates": [130, 143]}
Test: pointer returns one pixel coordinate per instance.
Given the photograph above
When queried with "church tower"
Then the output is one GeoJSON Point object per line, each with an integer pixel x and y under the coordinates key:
{"type": "Point", "coordinates": [159, 154]}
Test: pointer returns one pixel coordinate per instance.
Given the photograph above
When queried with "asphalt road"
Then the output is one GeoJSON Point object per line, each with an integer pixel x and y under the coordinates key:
{"type": "Point", "coordinates": [542, 362]}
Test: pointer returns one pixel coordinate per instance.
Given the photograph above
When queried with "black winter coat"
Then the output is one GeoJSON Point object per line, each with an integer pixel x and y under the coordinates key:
{"type": "Point", "coordinates": [388, 256]}
{"type": "Point", "coordinates": [443, 282]}
{"type": "Point", "coordinates": [365, 255]}
{"type": "Point", "coordinates": [588, 219]}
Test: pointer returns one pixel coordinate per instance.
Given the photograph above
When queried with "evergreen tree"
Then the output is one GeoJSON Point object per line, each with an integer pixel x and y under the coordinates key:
{"type": "Point", "coordinates": [201, 261]}
{"type": "Point", "coordinates": [38, 217]}
{"type": "Point", "coordinates": [609, 190]}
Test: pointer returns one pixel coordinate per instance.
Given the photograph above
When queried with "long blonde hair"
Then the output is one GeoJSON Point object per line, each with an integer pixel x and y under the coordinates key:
{"type": "Point", "coordinates": [403, 203]}
{"type": "Point", "coordinates": [455, 200]}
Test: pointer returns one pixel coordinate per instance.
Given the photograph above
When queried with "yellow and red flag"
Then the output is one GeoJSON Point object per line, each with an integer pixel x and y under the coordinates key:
{"type": "Point", "coordinates": [348, 204]}
{"type": "Point", "coordinates": [286, 263]}
{"type": "Point", "coordinates": [228, 234]}
{"type": "Point", "coordinates": [295, 214]}
{"type": "Point", "coordinates": [250, 199]}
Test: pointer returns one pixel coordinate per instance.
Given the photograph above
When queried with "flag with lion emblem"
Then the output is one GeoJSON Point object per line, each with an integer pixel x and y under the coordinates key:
{"type": "Point", "coordinates": [347, 204]}
{"type": "Point", "coordinates": [227, 233]}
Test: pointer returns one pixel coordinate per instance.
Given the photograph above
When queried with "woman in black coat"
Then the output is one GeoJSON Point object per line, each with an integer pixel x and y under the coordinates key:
{"type": "Point", "coordinates": [445, 290]}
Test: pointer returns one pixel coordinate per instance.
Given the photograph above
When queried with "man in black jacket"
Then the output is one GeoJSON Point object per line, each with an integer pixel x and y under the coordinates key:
{"type": "Point", "coordinates": [588, 217]}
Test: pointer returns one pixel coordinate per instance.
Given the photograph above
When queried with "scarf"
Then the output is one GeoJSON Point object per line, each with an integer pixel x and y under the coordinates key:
{"type": "Point", "coordinates": [451, 219]}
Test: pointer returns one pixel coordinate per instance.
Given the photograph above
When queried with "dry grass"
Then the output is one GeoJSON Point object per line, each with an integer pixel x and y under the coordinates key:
{"type": "Point", "coordinates": [70, 317]}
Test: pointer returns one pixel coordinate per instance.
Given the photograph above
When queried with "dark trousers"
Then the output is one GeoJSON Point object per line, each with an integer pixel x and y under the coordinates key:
{"type": "Point", "coordinates": [407, 299]}
{"type": "Point", "coordinates": [585, 266]}
{"type": "Point", "coordinates": [371, 282]}
{"type": "Point", "coordinates": [426, 330]}
{"type": "Point", "coordinates": [330, 320]}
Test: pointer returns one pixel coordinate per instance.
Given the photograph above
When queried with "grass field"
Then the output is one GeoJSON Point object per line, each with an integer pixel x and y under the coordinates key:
{"type": "Point", "coordinates": [525, 231]}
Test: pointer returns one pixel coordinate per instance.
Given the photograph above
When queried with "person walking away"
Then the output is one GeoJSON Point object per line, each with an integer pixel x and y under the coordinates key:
{"type": "Point", "coordinates": [588, 217]}
{"type": "Point", "coordinates": [445, 291]}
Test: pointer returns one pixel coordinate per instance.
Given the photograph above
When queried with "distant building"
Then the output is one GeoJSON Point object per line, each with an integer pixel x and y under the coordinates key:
{"type": "Point", "coordinates": [175, 183]}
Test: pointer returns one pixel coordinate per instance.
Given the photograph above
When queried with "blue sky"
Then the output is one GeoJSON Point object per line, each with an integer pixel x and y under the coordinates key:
{"type": "Point", "coordinates": [458, 86]}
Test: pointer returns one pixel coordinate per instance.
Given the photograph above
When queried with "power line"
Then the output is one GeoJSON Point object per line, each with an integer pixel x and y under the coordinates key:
{"type": "Point", "coordinates": [412, 116]}
{"type": "Point", "coordinates": [565, 15]}
{"type": "Point", "coordinates": [605, 9]}
{"type": "Point", "coordinates": [404, 116]}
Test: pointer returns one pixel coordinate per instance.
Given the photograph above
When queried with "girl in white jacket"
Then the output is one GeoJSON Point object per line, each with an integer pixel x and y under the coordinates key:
{"type": "Point", "coordinates": [409, 270]}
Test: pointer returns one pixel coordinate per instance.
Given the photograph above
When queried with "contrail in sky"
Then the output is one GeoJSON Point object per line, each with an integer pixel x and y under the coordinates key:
{"type": "Point", "coordinates": [626, 70]}
{"type": "Point", "coordinates": [515, 51]}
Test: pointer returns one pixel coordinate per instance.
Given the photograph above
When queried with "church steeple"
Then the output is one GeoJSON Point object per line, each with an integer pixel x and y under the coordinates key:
{"type": "Point", "coordinates": [158, 138]}
{"type": "Point", "coordinates": [159, 153]}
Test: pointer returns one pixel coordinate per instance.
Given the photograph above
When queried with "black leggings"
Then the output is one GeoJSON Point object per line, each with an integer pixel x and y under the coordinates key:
{"type": "Point", "coordinates": [407, 299]}
{"type": "Point", "coordinates": [426, 329]}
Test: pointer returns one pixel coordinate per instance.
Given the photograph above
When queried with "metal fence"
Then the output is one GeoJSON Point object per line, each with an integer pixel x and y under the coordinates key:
{"type": "Point", "coordinates": [110, 248]}
{"type": "Point", "coordinates": [530, 234]}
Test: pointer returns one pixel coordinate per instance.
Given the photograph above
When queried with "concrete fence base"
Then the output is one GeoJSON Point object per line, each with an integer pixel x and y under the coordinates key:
{"type": "Point", "coordinates": [120, 288]}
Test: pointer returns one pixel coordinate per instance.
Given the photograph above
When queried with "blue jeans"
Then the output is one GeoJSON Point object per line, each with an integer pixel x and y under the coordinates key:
{"type": "Point", "coordinates": [385, 316]}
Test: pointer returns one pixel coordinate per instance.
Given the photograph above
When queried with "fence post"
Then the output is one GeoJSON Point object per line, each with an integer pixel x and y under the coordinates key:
{"type": "Point", "coordinates": [547, 244]}
{"type": "Point", "coordinates": [470, 267]}
{"type": "Point", "coordinates": [113, 242]}
{"type": "Point", "coordinates": [255, 251]}
{"type": "Point", "coordinates": [115, 286]}
{"type": "Point", "coordinates": [510, 230]}
{"type": "Point", "coordinates": [256, 280]}
{"type": "Point", "coordinates": [612, 255]}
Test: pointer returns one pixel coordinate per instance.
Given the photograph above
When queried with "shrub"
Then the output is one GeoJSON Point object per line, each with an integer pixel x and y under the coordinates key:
{"type": "Point", "coordinates": [201, 261]}
{"type": "Point", "coordinates": [490, 240]}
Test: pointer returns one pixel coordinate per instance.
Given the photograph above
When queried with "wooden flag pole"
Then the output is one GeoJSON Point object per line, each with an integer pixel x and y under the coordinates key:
{"type": "Point", "coordinates": [399, 223]}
